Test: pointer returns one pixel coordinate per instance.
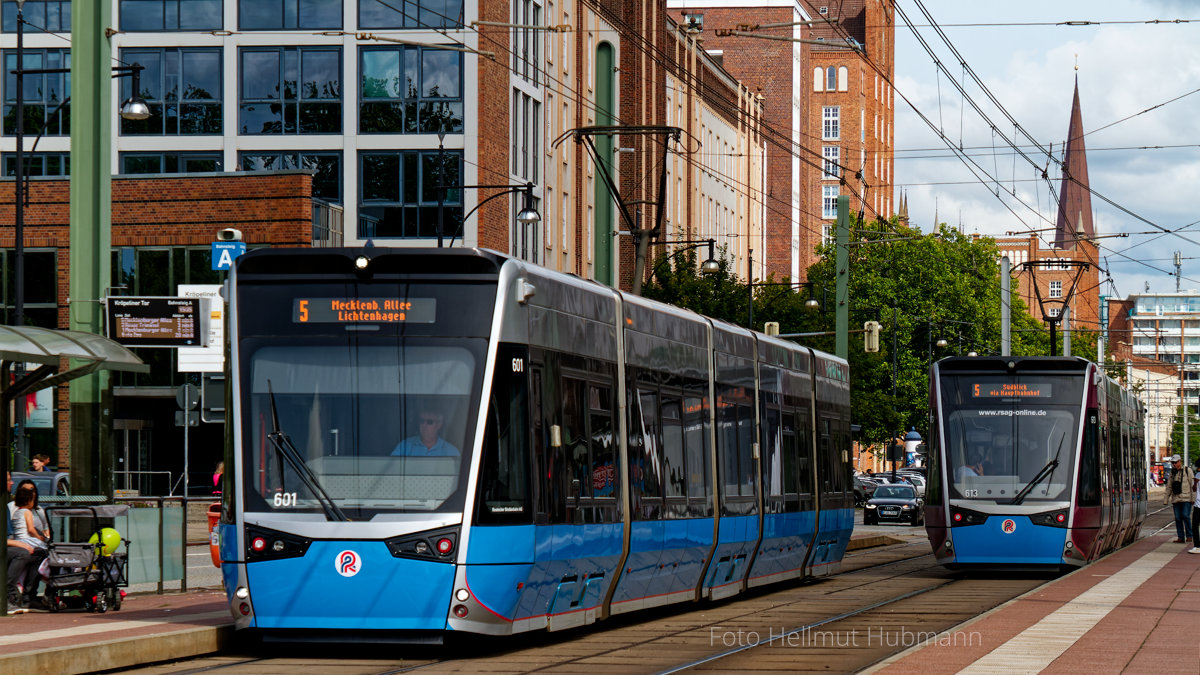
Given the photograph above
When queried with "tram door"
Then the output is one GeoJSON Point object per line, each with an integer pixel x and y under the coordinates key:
{"type": "Point", "coordinates": [132, 456]}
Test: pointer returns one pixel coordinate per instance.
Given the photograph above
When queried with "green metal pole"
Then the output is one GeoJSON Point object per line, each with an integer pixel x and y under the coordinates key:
{"type": "Point", "coordinates": [91, 237]}
{"type": "Point", "coordinates": [842, 348]}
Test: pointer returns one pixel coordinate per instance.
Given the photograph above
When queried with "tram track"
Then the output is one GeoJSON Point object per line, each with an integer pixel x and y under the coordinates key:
{"type": "Point", "coordinates": [883, 595]}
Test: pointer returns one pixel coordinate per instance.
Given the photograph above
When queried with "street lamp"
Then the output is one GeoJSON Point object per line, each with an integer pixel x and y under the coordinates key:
{"type": "Point", "coordinates": [528, 215]}
{"type": "Point", "coordinates": [709, 267]}
{"type": "Point", "coordinates": [133, 108]}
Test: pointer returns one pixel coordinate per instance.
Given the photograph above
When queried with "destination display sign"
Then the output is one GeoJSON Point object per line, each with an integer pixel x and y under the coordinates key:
{"type": "Point", "coordinates": [1011, 390]}
{"type": "Point", "coordinates": [157, 321]}
{"type": "Point", "coordinates": [364, 310]}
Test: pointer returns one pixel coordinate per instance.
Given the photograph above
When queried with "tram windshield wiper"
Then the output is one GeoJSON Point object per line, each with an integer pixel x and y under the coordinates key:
{"type": "Point", "coordinates": [286, 449]}
{"type": "Point", "coordinates": [1045, 472]}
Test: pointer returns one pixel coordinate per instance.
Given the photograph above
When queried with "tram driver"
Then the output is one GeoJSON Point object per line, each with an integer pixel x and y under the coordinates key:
{"type": "Point", "coordinates": [973, 466]}
{"type": "Point", "coordinates": [428, 441]}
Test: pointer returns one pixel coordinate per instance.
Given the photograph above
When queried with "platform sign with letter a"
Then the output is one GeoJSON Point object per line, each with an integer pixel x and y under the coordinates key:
{"type": "Point", "coordinates": [225, 252]}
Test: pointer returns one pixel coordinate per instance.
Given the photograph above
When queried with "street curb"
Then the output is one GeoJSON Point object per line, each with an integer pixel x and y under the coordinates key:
{"type": "Point", "coordinates": [872, 542]}
{"type": "Point", "coordinates": [120, 652]}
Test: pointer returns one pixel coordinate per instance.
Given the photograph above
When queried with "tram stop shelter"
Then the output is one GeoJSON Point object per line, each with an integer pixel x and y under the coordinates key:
{"type": "Point", "coordinates": [61, 356]}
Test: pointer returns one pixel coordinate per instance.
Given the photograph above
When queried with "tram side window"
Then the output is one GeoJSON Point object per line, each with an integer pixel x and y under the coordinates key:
{"type": "Point", "coordinates": [695, 436]}
{"type": "Point", "coordinates": [791, 491]}
{"type": "Point", "coordinates": [772, 460]}
{"type": "Point", "coordinates": [604, 468]}
{"type": "Point", "coordinates": [1089, 478]}
{"type": "Point", "coordinates": [804, 458]}
{"type": "Point", "coordinates": [674, 469]}
{"type": "Point", "coordinates": [825, 465]}
{"type": "Point", "coordinates": [727, 449]}
{"type": "Point", "coordinates": [504, 477]}
{"type": "Point", "coordinates": [645, 480]}
{"type": "Point", "coordinates": [575, 440]}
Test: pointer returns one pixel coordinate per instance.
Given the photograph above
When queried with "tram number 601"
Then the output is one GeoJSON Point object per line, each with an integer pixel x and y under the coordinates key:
{"type": "Point", "coordinates": [285, 499]}
{"type": "Point", "coordinates": [518, 365]}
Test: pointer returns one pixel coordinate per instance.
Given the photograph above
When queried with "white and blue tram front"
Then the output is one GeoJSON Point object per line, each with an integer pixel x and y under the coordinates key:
{"type": "Point", "coordinates": [358, 396]}
{"type": "Point", "coordinates": [1008, 439]}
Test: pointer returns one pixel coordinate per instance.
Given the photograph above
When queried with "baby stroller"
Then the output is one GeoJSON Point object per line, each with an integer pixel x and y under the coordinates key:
{"type": "Point", "coordinates": [88, 574]}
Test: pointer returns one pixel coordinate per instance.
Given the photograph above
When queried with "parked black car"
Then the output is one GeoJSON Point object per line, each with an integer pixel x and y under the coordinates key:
{"type": "Point", "coordinates": [864, 487]}
{"type": "Point", "coordinates": [894, 503]}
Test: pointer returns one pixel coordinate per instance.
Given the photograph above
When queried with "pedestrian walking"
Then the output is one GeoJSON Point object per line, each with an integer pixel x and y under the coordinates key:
{"type": "Point", "coordinates": [1195, 508]}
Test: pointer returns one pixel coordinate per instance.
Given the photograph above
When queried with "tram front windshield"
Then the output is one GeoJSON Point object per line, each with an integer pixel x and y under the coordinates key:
{"type": "Point", "coordinates": [356, 420]}
{"type": "Point", "coordinates": [1011, 439]}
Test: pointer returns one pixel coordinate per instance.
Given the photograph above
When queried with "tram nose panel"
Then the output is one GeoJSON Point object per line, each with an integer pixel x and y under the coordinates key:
{"type": "Point", "coordinates": [1009, 539]}
{"type": "Point", "coordinates": [350, 585]}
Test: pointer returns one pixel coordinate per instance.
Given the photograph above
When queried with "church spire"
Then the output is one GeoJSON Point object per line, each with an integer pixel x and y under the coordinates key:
{"type": "Point", "coordinates": [1074, 198]}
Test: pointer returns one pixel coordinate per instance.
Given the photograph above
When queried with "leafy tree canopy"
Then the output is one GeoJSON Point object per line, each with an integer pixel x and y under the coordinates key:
{"type": "Point", "coordinates": [922, 288]}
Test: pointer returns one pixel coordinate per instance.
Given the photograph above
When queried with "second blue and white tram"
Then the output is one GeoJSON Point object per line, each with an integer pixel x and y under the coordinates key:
{"type": "Point", "coordinates": [425, 441]}
{"type": "Point", "coordinates": [1037, 462]}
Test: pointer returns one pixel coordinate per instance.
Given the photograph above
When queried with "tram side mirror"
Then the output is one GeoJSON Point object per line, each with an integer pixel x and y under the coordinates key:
{"type": "Point", "coordinates": [555, 436]}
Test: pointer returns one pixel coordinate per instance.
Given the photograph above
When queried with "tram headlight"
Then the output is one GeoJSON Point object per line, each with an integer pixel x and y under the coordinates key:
{"type": "Point", "coordinates": [462, 595]}
{"type": "Point", "coordinates": [241, 593]}
{"type": "Point", "coordinates": [421, 547]}
{"type": "Point", "coordinates": [361, 262]}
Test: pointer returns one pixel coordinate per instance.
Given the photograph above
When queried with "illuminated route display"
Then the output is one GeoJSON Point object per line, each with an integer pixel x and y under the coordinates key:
{"type": "Point", "coordinates": [157, 321]}
{"type": "Point", "coordinates": [1011, 390]}
{"type": "Point", "coordinates": [364, 310]}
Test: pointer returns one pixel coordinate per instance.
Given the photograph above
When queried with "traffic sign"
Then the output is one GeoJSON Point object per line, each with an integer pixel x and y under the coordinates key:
{"type": "Point", "coordinates": [225, 252]}
{"type": "Point", "coordinates": [187, 418]}
{"type": "Point", "coordinates": [187, 397]}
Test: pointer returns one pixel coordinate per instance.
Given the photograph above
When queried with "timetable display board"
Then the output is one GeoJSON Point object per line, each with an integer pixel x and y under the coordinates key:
{"type": "Point", "coordinates": [157, 321]}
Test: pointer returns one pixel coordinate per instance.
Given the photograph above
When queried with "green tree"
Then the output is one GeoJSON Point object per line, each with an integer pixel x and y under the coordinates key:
{"type": "Point", "coordinates": [921, 287]}
{"type": "Point", "coordinates": [1193, 436]}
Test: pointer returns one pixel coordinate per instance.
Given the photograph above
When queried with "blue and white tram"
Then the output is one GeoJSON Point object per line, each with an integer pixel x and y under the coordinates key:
{"type": "Point", "coordinates": [1038, 462]}
{"type": "Point", "coordinates": [424, 441]}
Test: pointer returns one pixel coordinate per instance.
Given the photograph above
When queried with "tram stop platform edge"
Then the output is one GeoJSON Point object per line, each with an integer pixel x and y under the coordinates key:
{"type": "Point", "coordinates": [1132, 611]}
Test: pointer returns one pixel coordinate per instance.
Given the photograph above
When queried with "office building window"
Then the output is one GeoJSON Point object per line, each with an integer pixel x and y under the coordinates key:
{"type": "Point", "coordinates": [410, 90]}
{"type": "Point", "coordinates": [398, 194]}
{"type": "Point", "coordinates": [410, 14]}
{"type": "Point", "coordinates": [290, 90]}
{"type": "Point", "coordinates": [40, 15]}
{"type": "Point", "coordinates": [155, 15]}
{"type": "Point", "coordinates": [40, 301]}
{"type": "Point", "coordinates": [170, 162]}
{"type": "Point", "coordinates": [42, 92]}
{"type": "Point", "coordinates": [290, 14]}
{"type": "Point", "coordinates": [39, 164]}
{"type": "Point", "coordinates": [829, 197]}
{"type": "Point", "coordinates": [831, 123]}
{"type": "Point", "coordinates": [833, 158]}
{"type": "Point", "coordinates": [182, 87]}
{"type": "Point", "coordinates": [1056, 289]}
{"type": "Point", "coordinates": [326, 168]}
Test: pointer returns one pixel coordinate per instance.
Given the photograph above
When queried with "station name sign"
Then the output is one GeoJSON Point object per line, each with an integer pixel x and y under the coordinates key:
{"type": "Point", "coordinates": [1011, 390]}
{"type": "Point", "coordinates": [157, 321]}
{"type": "Point", "coordinates": [364, 310]}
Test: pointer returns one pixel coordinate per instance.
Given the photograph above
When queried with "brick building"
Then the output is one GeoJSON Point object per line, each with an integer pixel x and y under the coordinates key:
{"type": "Point", "coordinates": [1067, 272]}
{"type": "Point", "coordinates": [828, 109]}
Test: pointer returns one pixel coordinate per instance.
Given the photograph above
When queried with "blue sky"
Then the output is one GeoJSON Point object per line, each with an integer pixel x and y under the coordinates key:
{"type": "Point", "coordinates": [1123, 70]}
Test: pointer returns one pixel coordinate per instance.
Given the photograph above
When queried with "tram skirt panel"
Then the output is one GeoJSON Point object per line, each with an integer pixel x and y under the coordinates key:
{"type": "Point", "coordinates": [370, 590]}
{"type": "Point", "coordinates": [1009, 540]}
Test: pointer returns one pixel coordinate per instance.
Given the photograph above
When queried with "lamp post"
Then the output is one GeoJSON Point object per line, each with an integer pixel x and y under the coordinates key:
{"type": "Point", "coordinates": [528, 215]}
{"type": "Point", "coordinates": [133, 108]}
{"type": "Point", "coordinates": [709, 267]}
{"type": "Point", "coordinates": [811, 303]}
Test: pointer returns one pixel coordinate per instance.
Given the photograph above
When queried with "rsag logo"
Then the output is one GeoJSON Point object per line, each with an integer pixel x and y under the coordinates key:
{"type": "Point", "coordinates": [348, 563]}
{"type": "Point", "coordinates": [1008, 526]}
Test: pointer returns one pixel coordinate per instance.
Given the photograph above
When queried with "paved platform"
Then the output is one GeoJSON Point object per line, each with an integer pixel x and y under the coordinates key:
{"type": "Point", "coordinates": [1134, 611]}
